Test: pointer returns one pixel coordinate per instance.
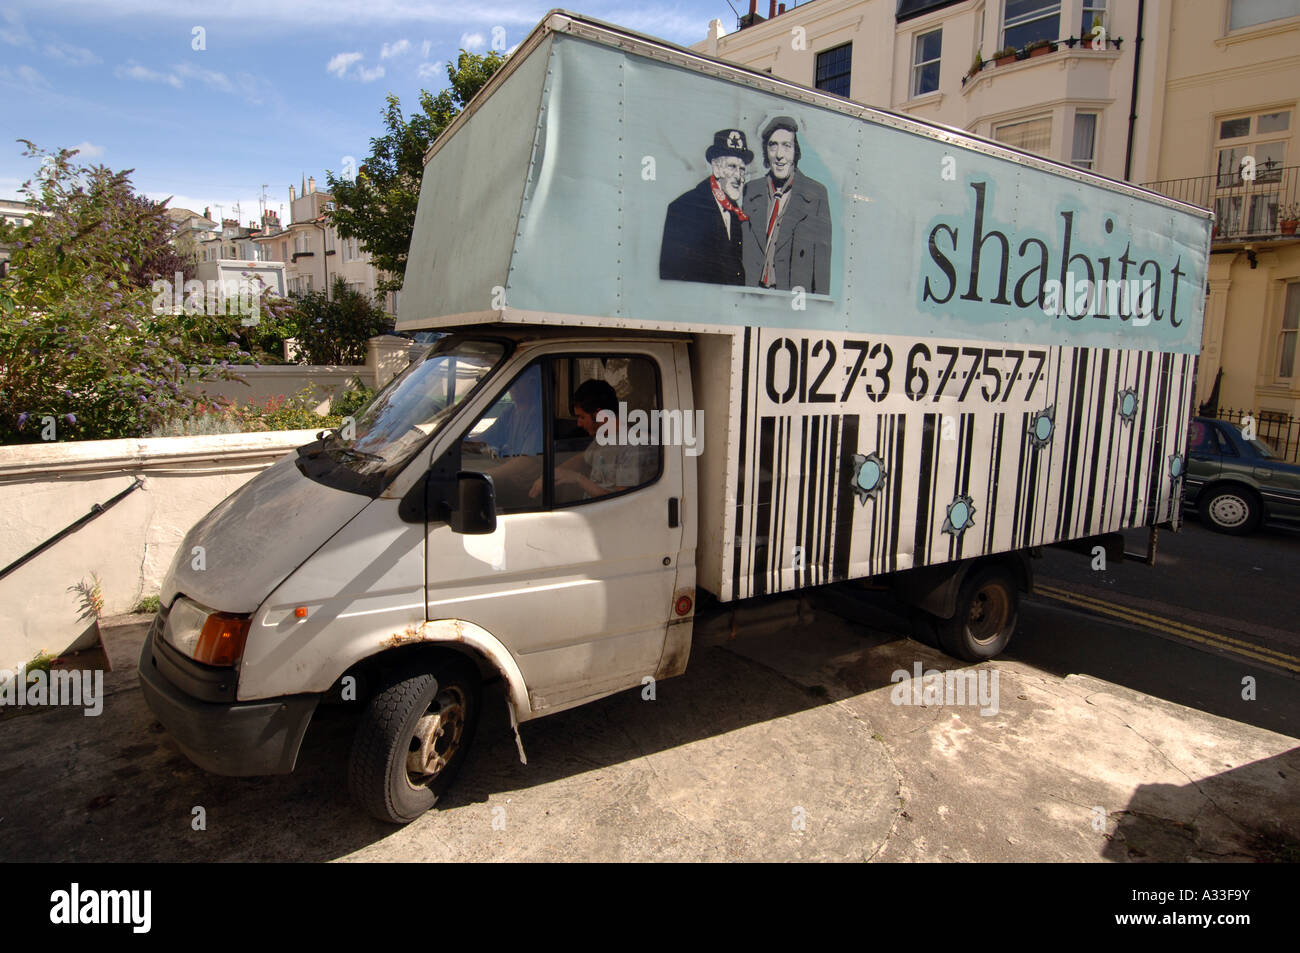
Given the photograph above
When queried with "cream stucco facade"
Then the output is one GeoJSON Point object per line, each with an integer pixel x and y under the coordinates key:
{"type": "Point", "coordinates": [1048, 90]}
{"type": "Point", "coordinates": [1220, 81]}
{"type": "Point", "coordinates": [314, 254]}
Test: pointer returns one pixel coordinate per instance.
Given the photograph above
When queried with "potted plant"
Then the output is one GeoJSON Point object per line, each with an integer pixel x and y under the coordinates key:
{"type": "Point", "coordinates": [1005, 55]}
{"type": "Point", "coordinates": [1097, 31]}
{"type": "Point", "coordinates": [1288, 217]}
{"type": "Point", "coordinates": [976, 65]}
{"type": "Point", "coordinates": [1040, 48]}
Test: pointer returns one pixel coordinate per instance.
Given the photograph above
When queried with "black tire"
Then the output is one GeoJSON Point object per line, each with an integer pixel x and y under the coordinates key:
{"type": "Point", "coordinates": [988, 605]}
{"type": "Point", "coordinates": [389, 738]}
{"type": "Point", "coordinates": [1232, 509]}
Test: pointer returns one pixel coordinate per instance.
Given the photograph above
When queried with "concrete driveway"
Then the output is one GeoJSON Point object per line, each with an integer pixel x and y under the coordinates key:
{"type": "Point", "coordinates": [779, 747]}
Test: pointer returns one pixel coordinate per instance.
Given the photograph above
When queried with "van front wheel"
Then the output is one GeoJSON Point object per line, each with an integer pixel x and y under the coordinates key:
{"type": "Point", "coordinates": [413, 738]}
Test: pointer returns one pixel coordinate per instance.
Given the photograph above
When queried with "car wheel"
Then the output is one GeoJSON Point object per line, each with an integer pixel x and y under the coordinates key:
{"type": "Point", "coordinates": [988, 605]}
{"type": "Point", "coordinates": [1232, 509]}
{"type": "Point", "coordinates": [412, 739]}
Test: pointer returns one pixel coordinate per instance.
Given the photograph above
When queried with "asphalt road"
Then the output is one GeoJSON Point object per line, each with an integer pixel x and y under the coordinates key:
{"type": "Point", "coordinates": [1213, 610]}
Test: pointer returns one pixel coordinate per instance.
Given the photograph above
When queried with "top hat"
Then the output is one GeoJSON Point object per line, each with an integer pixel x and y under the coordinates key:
{"type": "Point", "coordinates": [729, 142]}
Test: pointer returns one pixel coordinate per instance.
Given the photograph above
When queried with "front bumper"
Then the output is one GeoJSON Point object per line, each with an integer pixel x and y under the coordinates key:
{"type": "Point", "coordinates": [223, 737]}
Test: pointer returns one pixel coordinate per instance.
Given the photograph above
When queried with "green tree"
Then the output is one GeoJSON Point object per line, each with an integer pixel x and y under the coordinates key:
{"type": "Point", "coordinates": [84, 352]}
{"type": "Point", "coordinates": [334, 328]}
{"type": "Point", "coordinates": [378, 206]}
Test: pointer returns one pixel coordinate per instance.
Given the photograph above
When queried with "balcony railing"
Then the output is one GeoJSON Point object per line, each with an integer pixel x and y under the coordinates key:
{"type": "Point", "coordinates": [1253, 208]}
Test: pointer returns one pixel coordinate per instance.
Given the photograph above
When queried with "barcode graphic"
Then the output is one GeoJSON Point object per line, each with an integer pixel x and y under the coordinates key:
{"type": "Point", "coordinates": [902, 483]}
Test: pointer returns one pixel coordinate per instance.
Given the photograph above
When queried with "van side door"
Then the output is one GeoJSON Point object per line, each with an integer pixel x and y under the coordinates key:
{"type": "Point", "coordinates": [577, 579]}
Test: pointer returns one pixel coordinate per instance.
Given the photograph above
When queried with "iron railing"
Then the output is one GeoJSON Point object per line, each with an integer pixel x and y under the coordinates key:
{"type": "Point", "coordinates": [1244, 208]}
{"type": "Point", "coordinates": [1280, 431]}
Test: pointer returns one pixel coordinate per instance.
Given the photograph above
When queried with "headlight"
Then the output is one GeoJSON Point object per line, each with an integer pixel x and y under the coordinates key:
{"type": "Point", "coordinates": [213, 638]}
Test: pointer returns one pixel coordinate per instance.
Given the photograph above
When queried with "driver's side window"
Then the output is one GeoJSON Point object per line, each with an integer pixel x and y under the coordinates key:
{"type": "Point", "coordinates": [507, 444]}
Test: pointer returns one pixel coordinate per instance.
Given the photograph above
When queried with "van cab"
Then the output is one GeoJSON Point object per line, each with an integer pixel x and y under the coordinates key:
{"type": "Point", "coordinates": [446, 541]}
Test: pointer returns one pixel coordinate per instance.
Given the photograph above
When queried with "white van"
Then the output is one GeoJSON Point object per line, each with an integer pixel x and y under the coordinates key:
{"type": "Point", "coordinates": [635, 407]}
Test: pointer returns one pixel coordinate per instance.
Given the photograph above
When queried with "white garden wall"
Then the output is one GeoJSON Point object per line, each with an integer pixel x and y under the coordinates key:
{"type": "Point", "coordinates": [386, 356]}
{"type": "Point", "coordinates": [44, 488]}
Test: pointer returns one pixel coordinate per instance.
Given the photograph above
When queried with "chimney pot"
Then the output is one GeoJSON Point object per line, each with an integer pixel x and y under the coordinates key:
{"type": "Point", "coordinates": [311, 184]}
{"type": "Point", "coordinates": [753, 9]}
{"type": "Point", "coordinates": [780, 8]}
{"type": "Point", "coordinates": [771, 9]}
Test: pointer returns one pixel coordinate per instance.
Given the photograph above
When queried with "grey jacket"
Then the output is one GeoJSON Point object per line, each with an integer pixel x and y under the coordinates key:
{"type": "Point", "coordinates": [803, 248]}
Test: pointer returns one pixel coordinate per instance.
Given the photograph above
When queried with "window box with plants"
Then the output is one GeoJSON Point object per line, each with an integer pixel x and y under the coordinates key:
{"type": "Point", "coordinates": [1288, 217]}
{"type": "Point", "coordinates": [1040, 48]}
{"type": "Point", "coordinates": [1005, 55]}
{"type": "Point", "coordinates": [976, 65]}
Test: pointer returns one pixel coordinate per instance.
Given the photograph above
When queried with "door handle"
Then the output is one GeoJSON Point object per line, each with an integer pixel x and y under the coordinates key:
{"type": "Point", "coordinates": [674, 514]}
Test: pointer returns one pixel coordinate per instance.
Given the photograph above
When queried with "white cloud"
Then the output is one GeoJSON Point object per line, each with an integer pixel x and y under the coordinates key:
{"type": "Point", "coordinates": [12, 31]}
{"type": "Point", "coordinates": [30, 76]}
{"type": "Point", "coordinates": [339, 64]}
{"type": "Point", "coordinates": [342, 66]}
{"type": "Point", "coordinates": [431, 71]}
{"type": "Point", "coordinates": [394, 49]}
{"type": "Point", "coordinates": [133, 70]}
{"type": "Point", "coordinates": [89, 150]}
{"type": "Point", "coordinates": [210, 78]}
{"type": "Point", "coordinates": [424, 49]}
{"type": "Point", "coordinates": [71, 55]}
{"type": "Point", "coordinates": [473, 42]}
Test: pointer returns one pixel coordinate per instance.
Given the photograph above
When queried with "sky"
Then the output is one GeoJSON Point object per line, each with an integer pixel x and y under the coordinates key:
{"type": "Point", "coordinates": [209, 102]}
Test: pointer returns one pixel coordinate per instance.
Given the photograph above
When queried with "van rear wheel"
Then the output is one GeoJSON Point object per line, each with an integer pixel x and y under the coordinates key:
{"type": "Point", "coordinates": [988, 605]}
{"type": "Point", "coordinates": [413, 738]}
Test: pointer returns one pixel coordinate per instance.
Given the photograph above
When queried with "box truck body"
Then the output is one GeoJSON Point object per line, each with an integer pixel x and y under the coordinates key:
{"type": "Point", "coordinates": [1000, 354]}
{"type": "Point", "coordinates": [767, 339]}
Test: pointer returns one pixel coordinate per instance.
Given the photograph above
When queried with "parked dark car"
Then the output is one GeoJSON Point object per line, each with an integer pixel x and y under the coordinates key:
{"type": "Point", "coordinates": [1235, 483]}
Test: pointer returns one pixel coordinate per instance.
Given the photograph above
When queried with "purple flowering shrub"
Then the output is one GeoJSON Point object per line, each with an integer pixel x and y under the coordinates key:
{"type": "Point", "coordinates": [80, 341]}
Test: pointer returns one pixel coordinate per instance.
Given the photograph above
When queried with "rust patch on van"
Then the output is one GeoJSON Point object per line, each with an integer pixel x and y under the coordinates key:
{"type": "Point", "coordinates": [424, 632]}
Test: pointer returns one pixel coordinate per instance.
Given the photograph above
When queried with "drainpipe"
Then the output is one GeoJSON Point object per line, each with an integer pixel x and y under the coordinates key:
{"type": "Point", "coordinates": [324, 260]}
{"type": "Point", "coordinates": [1133, 103]}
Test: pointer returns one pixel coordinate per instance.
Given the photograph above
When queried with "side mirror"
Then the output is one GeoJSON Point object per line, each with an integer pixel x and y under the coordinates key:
{"type": "Point", "coordinates": [476, 512]}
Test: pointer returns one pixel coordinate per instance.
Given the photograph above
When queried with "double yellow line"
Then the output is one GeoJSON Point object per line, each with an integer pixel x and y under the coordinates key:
{"type": "Point", "coordinates": [1180, 629]}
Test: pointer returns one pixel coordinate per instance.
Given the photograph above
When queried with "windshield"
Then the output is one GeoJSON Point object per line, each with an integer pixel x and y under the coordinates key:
{"type": "Point", "coordinates": [398, 422]}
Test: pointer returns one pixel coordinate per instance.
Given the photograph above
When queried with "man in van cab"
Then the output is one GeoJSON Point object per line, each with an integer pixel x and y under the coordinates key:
{"type": "Point", "coordinates": [602, 468]}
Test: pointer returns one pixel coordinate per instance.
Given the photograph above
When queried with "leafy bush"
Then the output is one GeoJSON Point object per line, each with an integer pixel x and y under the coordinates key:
{"type": "Point", "coordinates": [334, 329]}
{"type": "Point", "coordinates": [353, 400]}
{"type": "Point", "coordinates": [83, 355]}
{"type": "Point", "coordinates": [278, 413]}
